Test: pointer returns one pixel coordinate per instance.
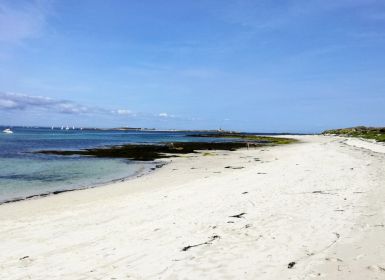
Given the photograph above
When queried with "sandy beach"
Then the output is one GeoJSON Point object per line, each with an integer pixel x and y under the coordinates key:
{"type": "Point", "coordinates": [314, 209]}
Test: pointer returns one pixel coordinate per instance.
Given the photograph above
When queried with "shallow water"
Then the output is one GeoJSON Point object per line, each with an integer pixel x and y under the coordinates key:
{"type": "Point", "coordinates": [23, 173]}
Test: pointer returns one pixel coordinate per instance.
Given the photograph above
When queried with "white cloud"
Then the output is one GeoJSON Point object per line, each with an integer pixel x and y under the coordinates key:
{"type": "Point", "coordinates": [16, 101]}
{"type": "Point", "coordinates": [7, 104]}
{"type": "Point", "coordinates": [165, 115]}
{"type": "Point", "coordinates": [11, 102]}
{"type": "Point", "coordinates": [123, 112]}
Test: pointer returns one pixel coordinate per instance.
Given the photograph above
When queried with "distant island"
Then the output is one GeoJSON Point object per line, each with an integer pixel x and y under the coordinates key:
{"type": "Point", "coordinates": [169, 130]}
{"type": "Point", "coordinates": [375, 133]}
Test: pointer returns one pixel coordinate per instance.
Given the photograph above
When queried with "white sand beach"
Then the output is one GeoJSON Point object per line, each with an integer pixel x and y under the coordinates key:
{"type": "Point", "coordinates": [314, 209]}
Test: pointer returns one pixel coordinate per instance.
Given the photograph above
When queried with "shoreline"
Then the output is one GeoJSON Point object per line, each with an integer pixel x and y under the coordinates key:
{"type": "Point", "coordinates": [281, 212]}
{"type": "Point", "coordinates": [138, 174]}
{"type": "Point", "coordinates": [152, 153]}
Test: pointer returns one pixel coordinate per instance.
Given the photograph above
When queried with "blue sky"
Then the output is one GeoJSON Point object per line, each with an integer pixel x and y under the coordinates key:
{"type": "Point", "coordinates": [297, 66]}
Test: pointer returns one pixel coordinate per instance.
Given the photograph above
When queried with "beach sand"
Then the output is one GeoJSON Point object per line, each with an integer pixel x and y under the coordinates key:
{"type": "Point", "coordinates": [314, 209]}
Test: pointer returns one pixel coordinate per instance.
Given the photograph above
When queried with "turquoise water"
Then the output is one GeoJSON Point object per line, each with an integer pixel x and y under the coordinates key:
{"type": "Point", "coordinates": [24, 174]}
{"type": "Point", "coordinates": [20, 178]}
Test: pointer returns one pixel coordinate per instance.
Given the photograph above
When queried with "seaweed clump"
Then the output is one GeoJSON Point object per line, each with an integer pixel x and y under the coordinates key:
{"type": "Point", "coordinates": [149, 152]}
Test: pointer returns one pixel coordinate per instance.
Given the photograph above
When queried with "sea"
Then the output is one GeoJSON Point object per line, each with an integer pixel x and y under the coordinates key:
{"type": "Point", "coordinates": [25, 174]}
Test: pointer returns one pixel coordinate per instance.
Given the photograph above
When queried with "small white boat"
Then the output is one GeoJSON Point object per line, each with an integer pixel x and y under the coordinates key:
{"type": "Point", "coordinates": [7, 131]}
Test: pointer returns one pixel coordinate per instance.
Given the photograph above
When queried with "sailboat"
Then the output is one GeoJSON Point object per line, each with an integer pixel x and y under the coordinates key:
{"type": "Point", "coordinates": [7, 131]}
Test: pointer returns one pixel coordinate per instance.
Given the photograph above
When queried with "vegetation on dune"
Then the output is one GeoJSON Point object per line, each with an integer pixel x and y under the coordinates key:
{"type": "Point", "coordinates": [376, 133]}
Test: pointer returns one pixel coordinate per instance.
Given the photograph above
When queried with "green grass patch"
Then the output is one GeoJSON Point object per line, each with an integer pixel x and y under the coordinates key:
{"type": "Point", "coordinates": [208, 154]}
{"type": "Point", "coordinates": [258, 138]}
{"type": "Point", "coordinates": [249, 137]}
{"type": "Point", "coordinates": [375, 133]}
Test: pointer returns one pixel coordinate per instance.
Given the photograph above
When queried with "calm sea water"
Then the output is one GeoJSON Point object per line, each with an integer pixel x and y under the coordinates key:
{"type": "Point", "coordinates": [23, 173]}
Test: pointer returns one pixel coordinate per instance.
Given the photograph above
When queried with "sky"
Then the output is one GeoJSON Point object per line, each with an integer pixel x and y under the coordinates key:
{"type": "Point", "coordinates": [246, 65]}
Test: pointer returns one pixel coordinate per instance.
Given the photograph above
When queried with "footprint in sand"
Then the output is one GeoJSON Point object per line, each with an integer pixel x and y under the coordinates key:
{"type": "Point", "coordinates": [359, 257]}
{"type": "Point", "coordinates": [26, 260]}
{"type": "Point", "coordinates": [377, 268]}
{"type": "Point", "coordinates": [333, 259]}
{"type": "Point", "coordinates": [315, 274]}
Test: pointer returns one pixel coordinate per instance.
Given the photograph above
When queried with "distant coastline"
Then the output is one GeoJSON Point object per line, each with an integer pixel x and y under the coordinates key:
{"type": "Point", "coordinates": [144, 129]}
{"type": "Point", "coordinates": [123, 128]}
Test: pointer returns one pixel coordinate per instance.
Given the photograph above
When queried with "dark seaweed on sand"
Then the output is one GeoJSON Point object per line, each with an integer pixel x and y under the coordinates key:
{"type": "Point", "coordinates": [150, 152]}
{"type": "Point", "coordinates": [144, 152]}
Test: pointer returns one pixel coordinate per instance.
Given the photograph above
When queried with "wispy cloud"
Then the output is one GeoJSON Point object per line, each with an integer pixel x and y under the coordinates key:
{"type": "Point", "coordinates": [16, 101]}
{"type": "Point", "coordinates": [21, 102]}
{"type": "Point", "coordinates": [124, 112]}
{"type": "Point", "coordinates": [22, 20]}
{"type": "Point", "coordinates": [166, 115]}
{"type": "Point", "coordinates": [266, 15]}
